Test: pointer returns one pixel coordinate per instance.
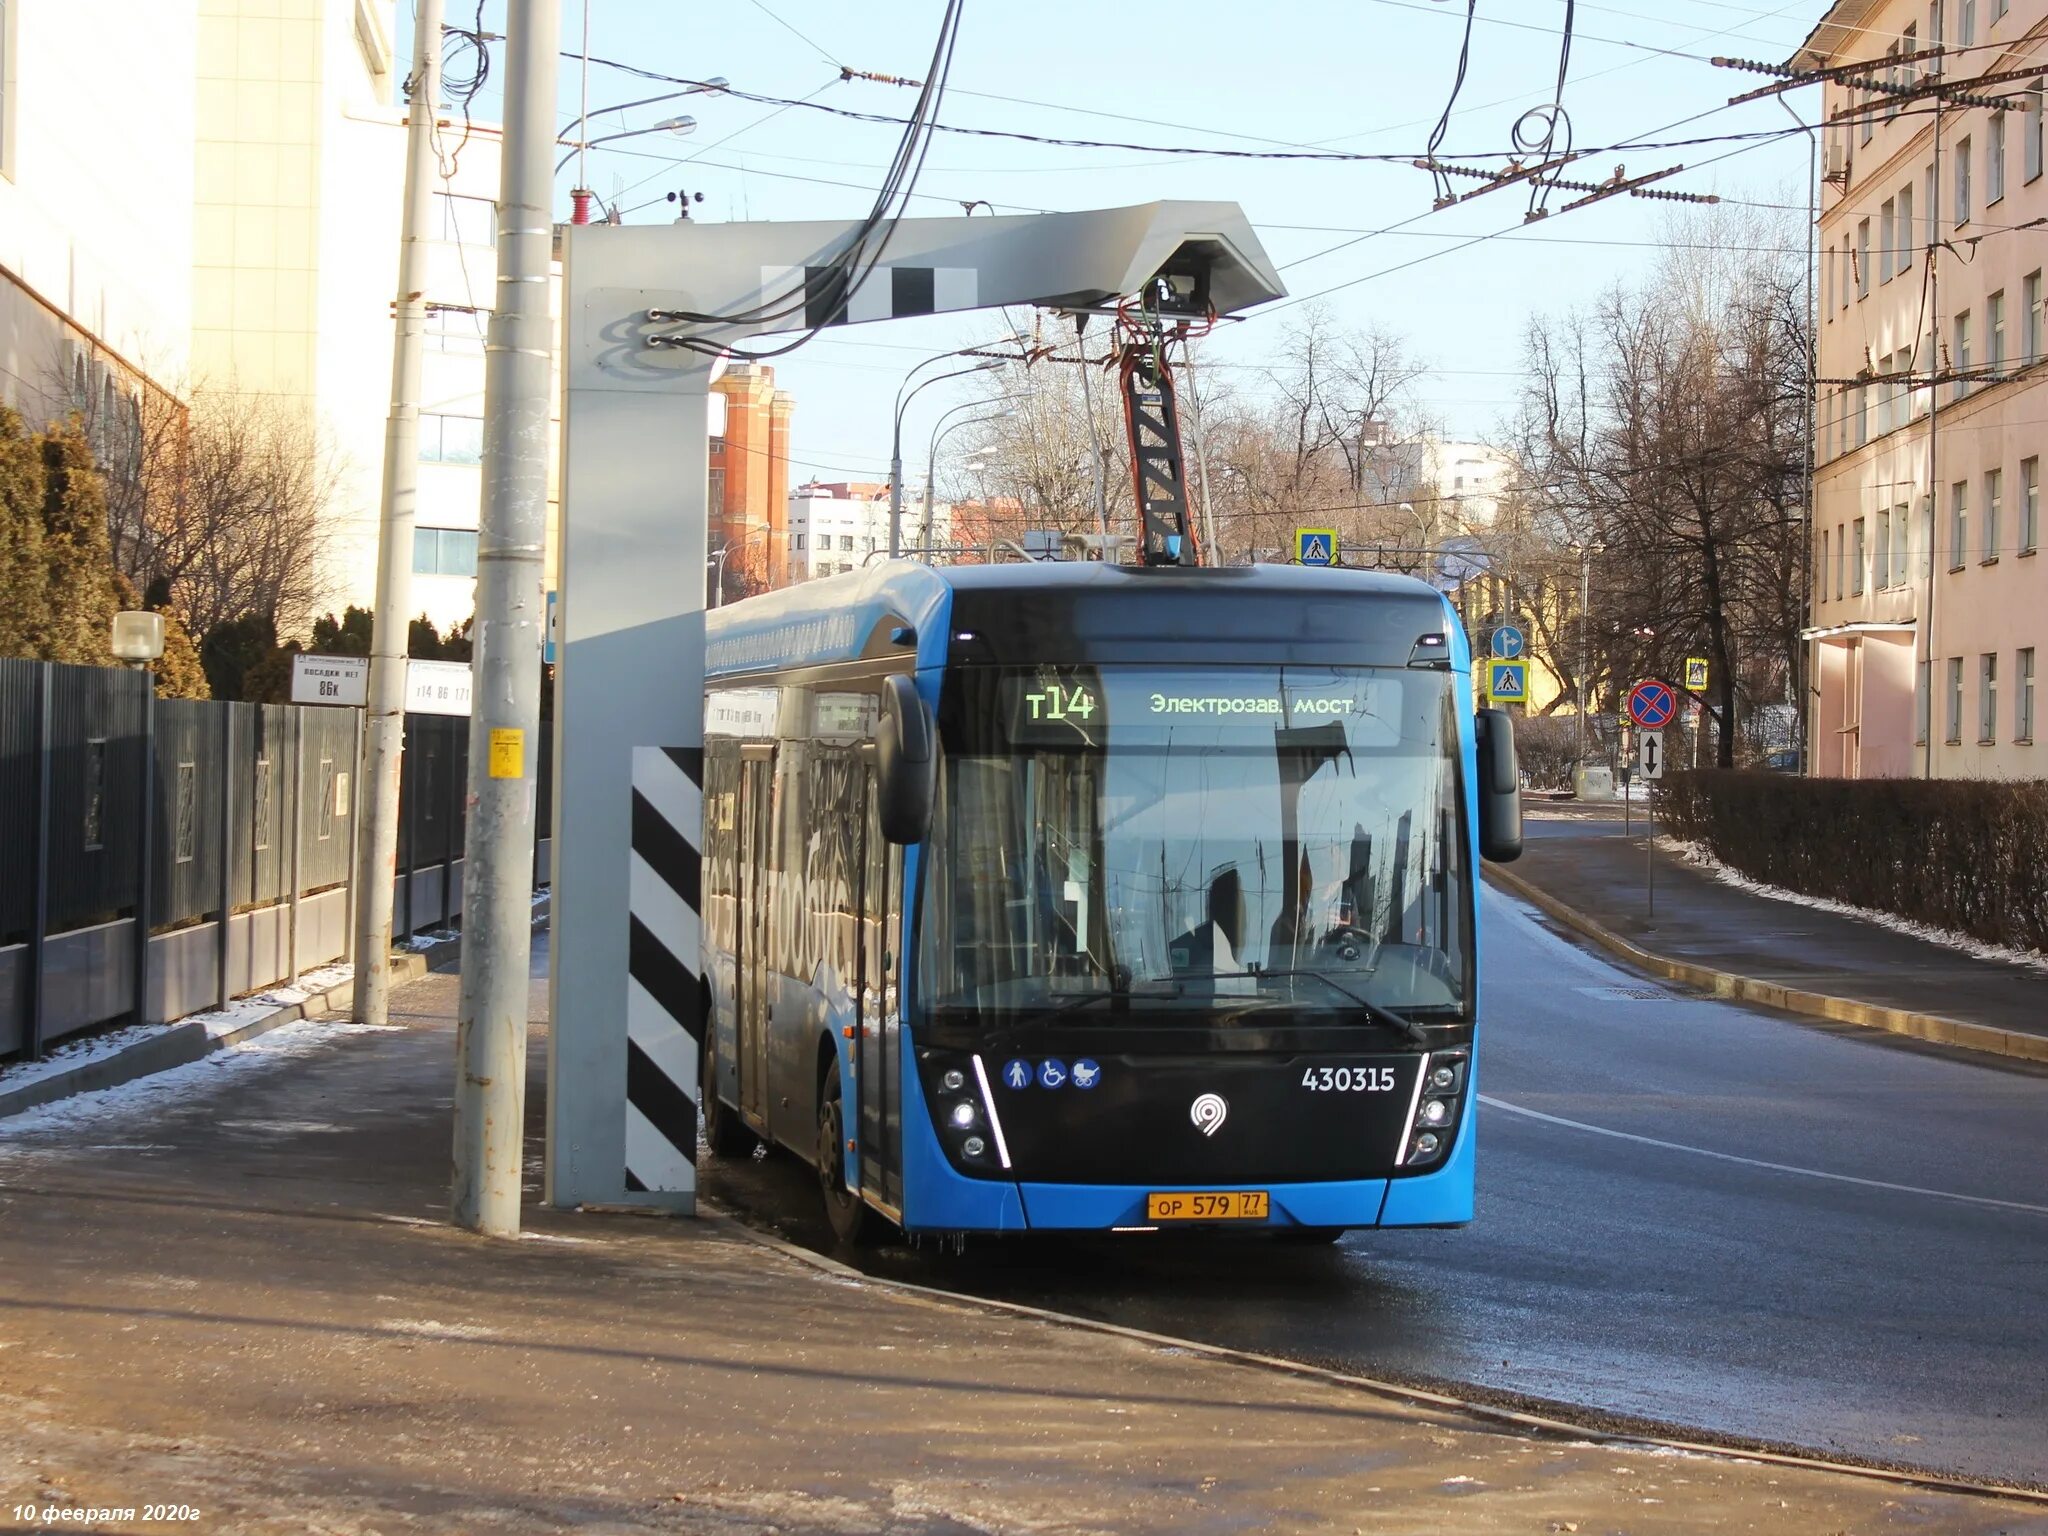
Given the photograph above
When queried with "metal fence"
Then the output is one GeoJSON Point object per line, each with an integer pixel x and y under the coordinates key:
{"type": "Point", "coordinates": [234, 853]}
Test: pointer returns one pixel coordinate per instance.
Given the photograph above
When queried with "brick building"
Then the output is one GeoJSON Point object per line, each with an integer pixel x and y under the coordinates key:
{"type": "Point", "coordinates": [750, 477]}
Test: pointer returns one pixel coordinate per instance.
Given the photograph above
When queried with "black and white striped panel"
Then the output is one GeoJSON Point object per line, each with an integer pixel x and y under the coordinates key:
{"type": "Point", "coordinates": [887, 293]}
{"type": "Point", "coordinates": [664, 996]}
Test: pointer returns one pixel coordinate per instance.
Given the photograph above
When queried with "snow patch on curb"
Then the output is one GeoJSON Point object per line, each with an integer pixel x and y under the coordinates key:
{"type": "Point", "coordinates": [160, 1092]}
{"type": "Point", "coordinates": [1701, 857]}
{"type": "Point", "coordinates": [70, 1055]}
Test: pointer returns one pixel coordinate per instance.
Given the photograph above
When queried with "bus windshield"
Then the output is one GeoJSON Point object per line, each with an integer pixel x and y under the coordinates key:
{"type": "Point", "coordinates": [1218, 840]}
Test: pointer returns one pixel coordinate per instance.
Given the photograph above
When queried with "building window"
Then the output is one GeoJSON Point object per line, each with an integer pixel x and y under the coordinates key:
{"type": "Point", "coordinates": [846, 541]}
{"type": "Point", "coordinates": [799, 544]}
{"type": "Point", "coordinates": [1856, 570]}
{"type": "Point", "coordinates": [1900, 529]}
{"type": "Point", "coordinates": [444, 551]}
{"type": "Point", "coordinates": [1887, 240]}
{"type": "Point", "coordinates": [2030, 322]}
{"type": "Point", "coordinates": [2030, 130]}
{"type": "Point", "coordinates": [451, 439]}
{"type": "Point", "coordinates": [1822, 568]}
{"type": "Point", "coordinates": [1867, 117]}
{"type": "Point", "coordinates": [1994, 159]}
{"type": "Point", "coordinates": [1998, 8]}
{"type": "Point", "coordinates": [462, 220]}
{"type": "Point", "coordinates": [1862, 256]}
{"type": "Point", "coordinates": [1906, 232]}
{"type": "Point", "coordinates": [455, 330]}
{"type": "Point", "coordinates": [1881, 573]}
{"type": "Point", "coordinates": [1933, 33]}
{"type": "Point", "coordinates": [1841, 557]}
{"type": "Point", "coordinates": [1920, 701]}
{"type": "Point", "coordinates": [1966, 24]}
{"type": "Point", "coordinates": [1994, 331]}
{"type": "Point", "coordinates": [1961, 360]}
{"type": "Point", "coordinates": [2023, 702]}
{"type": "Point", "coordinates": [1891, 77]}
{"type": "Point", "coordinates": [2030, 505]}
{"type": "Point", "coordinates": [1862, 409]}
{"type": "Point", "coordinates": [1955, 699]}
{"type": "Point", "coordinates": [1958, 523]}
{"type": "Point", "coordinates": [1987, 698]}
{"type": "Point", "coordinates": [1994, 496]}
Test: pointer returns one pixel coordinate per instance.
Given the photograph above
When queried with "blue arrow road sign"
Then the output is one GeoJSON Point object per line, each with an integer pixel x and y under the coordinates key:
{"type": "Point", "coordinates": [1507, 642]}
{"type": "Point", "coordinates": [1507, 682]}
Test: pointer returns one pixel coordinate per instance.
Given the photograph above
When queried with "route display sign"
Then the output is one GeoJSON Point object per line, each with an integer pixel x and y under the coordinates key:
{"type": "Point", "coordinates": [1650, 754]}
{"type": "Point", "coordinates": [1315, 546]}
{"type": "Point", "coordinates": [1507, 682]}
{"type": "Point", "coordinates": [1507, 642]}
{"type": "Point", "coordinates": [1651, 704]}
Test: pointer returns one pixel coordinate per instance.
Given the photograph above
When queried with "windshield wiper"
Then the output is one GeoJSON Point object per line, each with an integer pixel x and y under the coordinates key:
{"type": "Point", "coordinates": [1379, 1012]}
{"type": "Point", "coordinates": [1079, 1000]}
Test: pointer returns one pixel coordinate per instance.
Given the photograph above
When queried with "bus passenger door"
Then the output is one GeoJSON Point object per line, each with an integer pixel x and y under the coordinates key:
{"type": "Point", "coordinates": [877, 1087]}
{"type": "Point", "coordinates": [757, 772]}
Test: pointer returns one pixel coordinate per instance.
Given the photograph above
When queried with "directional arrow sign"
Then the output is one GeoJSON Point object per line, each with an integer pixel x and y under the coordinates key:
{"type": "Point", "coordinates": [1507, 642]}
{"type": "Point", "coordinates": [1650, 754]}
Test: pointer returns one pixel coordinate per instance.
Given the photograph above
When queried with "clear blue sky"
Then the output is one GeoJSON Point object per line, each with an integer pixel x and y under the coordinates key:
{"type": "Point", "coordinates": [1360, 75]}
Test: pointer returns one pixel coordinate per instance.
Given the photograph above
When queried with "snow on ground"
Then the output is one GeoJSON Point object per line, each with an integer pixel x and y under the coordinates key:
{"type": "Point", "coordinates": [240, 1013]}
{"type": "Point", "coordinates": [1698, 854]}
{"type": "Point", "coordinates": [163, 1091]}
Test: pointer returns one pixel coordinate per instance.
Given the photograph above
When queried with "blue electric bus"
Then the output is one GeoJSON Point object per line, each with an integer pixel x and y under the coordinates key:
{"type": "Point", "coordinates": [1071, 895]}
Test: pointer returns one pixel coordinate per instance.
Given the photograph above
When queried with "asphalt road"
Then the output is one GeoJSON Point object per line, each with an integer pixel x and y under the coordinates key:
{"type": "Point", "coordinates": [1689, 1212]}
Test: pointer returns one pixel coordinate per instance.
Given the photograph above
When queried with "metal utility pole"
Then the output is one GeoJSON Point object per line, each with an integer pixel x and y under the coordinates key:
{"type": "Point", "coordinates": [490, 1039]}
{"type": "Point", "coordinates": [384, 720]}
{"type": "Point", "coordinates": [1094, 441]}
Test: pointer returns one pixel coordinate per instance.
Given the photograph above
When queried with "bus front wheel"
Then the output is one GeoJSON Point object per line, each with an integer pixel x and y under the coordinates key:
{"type": "Point", "coordinates": [851, 1220]}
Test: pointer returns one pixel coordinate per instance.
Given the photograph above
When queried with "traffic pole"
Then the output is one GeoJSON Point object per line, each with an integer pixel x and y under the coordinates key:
{"type": "Point", "coordinates": [511, 619]}
{"type": "Point", "coordinates": [384, 718]}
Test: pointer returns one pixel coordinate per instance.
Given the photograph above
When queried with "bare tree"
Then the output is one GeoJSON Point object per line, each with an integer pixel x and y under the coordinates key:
{"type": "Point", "coordinates": [230, 510]}
{"type": "Point", "coordinates": [1667, 424]}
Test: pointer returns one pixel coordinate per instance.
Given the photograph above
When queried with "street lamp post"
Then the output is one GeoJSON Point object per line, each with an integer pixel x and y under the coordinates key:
{"type": "Point", "coordinates": [904, 395]}
{"type": "Point", "coordinates": [940, 432]}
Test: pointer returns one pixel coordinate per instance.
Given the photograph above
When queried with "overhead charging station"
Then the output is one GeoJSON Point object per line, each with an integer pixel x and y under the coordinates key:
{"type": "Point", "coordinates": [626, 1000]}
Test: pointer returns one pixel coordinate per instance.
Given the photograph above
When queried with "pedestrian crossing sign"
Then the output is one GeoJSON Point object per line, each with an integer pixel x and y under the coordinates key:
{"type": "Point", "coordinates": [1315, 546]}
{"type": "Point", "coordinates": [1695, 674]}
{"type": "Point", "coordinates": [1507, 682]}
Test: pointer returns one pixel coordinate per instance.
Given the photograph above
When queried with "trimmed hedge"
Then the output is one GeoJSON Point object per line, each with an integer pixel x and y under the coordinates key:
{"type": "Point", "coordinates": [1963, 854]}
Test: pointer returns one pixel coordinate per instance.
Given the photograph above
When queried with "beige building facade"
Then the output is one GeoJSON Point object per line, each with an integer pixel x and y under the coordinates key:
{"type": "Point", "coordinates": [1929, 596]}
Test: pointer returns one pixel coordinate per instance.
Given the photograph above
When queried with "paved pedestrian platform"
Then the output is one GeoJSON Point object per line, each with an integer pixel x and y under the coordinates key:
{"type": "Point", "coordinates": [232, 1289]}
{"type": "Point", "coordinates": [1597, 864]}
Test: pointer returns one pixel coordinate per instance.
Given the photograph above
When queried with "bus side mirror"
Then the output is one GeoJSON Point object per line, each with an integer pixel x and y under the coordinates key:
{"type": "Point", "coordinates": [1500, 787]}
{"type": "Point", "coordinates": [906, 762]}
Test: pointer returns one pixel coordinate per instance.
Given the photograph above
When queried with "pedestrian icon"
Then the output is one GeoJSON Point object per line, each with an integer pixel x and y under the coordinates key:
{"type": "Point", "coordinates": [1051, 1074]}
{"type": "Point", "coordinates": [1695, 674]}
{"type": "Point", "coordinates": [1507, 682]}
{"type": "Point", "coordinates": [1018, 1074]}
{"type": "Point", "coordinates": [1315, 546]}
{"type": "Point", "coordinates": [1086, 1074]}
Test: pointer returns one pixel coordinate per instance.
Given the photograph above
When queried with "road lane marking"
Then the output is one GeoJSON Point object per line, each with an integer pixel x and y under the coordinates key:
{"type": "Point", "coordinates": [1757, 1162]}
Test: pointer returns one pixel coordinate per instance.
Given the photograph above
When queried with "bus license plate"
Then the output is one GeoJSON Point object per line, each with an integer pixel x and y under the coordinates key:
{"type": "Point", "coordinates": [1222, 1205]}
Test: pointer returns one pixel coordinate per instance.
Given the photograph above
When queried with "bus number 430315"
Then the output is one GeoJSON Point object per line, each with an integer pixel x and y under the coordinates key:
{"type": "Point", "coordinates": [1348, 1079]}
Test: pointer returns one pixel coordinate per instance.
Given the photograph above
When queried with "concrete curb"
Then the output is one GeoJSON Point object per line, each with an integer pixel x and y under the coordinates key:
{"type": "Point", "coordinates": [1514, 1420]}
{"type": "Point", "coordinates": [1931, 1027]}
{"type": "Point", "coordinates": [183, 1044]}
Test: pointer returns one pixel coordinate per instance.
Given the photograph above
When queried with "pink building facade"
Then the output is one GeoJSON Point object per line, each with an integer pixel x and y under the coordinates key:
{"type": "Point", "coordinates": [1930, 599]}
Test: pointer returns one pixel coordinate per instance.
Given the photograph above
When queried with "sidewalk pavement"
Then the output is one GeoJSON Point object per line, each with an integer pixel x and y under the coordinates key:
{"type": "Point", "coordinates": [1587, 868]}
{"type": "Point", "coordinates": [232, 1288]}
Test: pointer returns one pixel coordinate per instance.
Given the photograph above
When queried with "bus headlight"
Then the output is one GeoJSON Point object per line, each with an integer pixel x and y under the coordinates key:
{"type": "Point", "coordinates": [963, 1112]}
{"type": "Point", "coordinates": [963, 1115]}
{"type": "Point", "coordinates": [1439, 1097]}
